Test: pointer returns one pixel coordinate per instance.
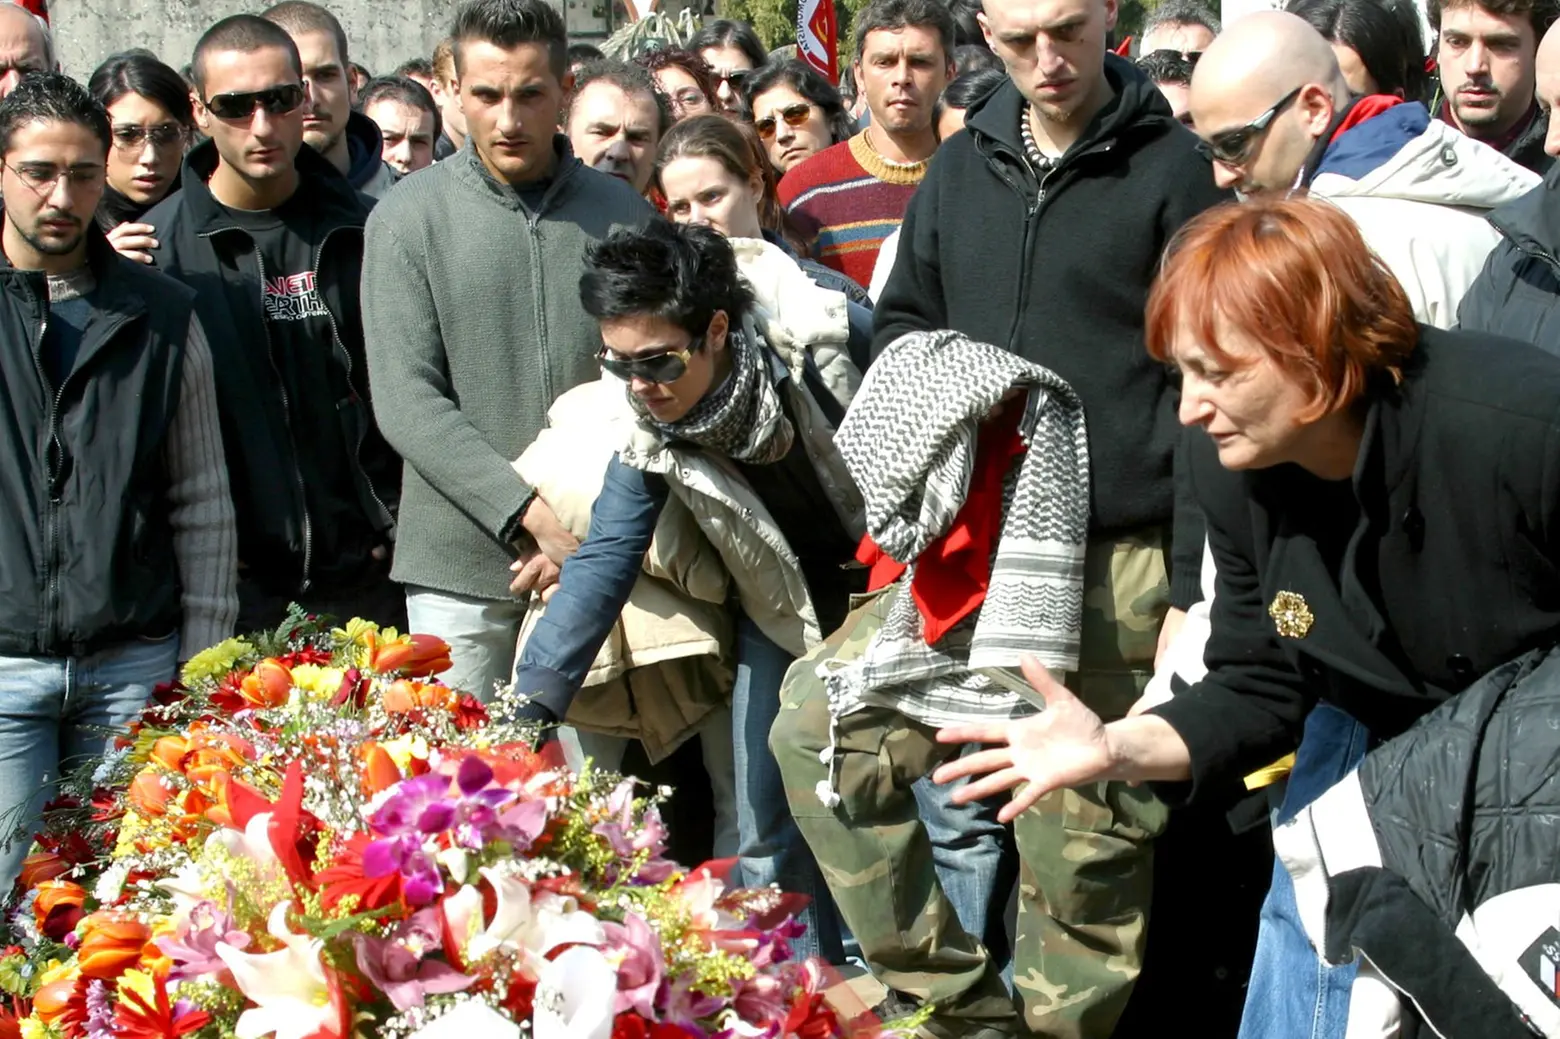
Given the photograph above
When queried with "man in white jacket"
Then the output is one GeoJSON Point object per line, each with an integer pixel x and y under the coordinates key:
{"type": "Point", "coordinates": [1275, 114]}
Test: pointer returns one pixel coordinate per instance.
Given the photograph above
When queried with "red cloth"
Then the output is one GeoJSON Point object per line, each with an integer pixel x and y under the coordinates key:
{"type": "Point", "coordinates": [954, 571]}
{"type": "Point", "coordinates": [1367, 107]}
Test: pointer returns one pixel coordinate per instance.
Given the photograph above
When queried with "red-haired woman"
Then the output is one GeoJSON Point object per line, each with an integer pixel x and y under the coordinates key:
{"type": "Point", "coordinates": [1383, 505]}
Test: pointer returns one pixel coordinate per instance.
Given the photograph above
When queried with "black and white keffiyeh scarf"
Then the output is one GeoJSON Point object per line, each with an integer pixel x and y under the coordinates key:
{"type": "Point", "coordinates": [909, 441]}
{"type": "Point", "coordinates": [742, 418]}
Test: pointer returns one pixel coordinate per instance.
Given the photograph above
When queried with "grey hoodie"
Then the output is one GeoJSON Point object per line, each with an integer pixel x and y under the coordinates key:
{"type": "Point", "coordinates": [473, 323]}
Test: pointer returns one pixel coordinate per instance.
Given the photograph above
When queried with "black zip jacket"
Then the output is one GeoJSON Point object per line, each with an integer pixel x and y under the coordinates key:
{"type": "Point", "coordinates": [263, 429]}
{"type": "Point", "coordinates": [1059, 272]}
{"type": "Point", "coordinates": [86, 549]}
{"type": "Point", "coordinates": [1518, 292]}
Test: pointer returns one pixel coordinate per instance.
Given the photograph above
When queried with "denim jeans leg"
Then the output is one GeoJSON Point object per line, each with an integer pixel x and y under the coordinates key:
{"type": "Point", "coordinates": [976, 861]}
{"type": "Point", "coordinates": [32, 698]}
{"type": "Point", "coordinates": [482, 634]}
{"type": "Point", "coordinates": [1293, 993]}
{"type": "Point", "coordinates": [772, 849]}
{"type": "Point", "coordinates": [605, 752]}
{"type": "Point", "coordinates": [106, 692]}
{"type": "Point", "coordinates": [715, 742]}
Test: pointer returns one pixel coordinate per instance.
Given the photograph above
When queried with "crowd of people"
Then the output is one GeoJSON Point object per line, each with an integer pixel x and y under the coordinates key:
{"type": "Point", "coordinates": [1156, 428]}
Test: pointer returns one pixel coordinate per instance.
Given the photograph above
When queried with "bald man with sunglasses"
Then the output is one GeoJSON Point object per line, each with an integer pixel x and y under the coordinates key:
{"type": "Point", "coordinates": [270, 236]}
{"type": "Point", "coordinates": [1274, 114]}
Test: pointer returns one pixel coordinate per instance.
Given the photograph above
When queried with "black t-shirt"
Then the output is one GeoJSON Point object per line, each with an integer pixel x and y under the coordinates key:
{"type": "Point", "coordinates": [791, 491]}
{"type": "Point", "coordinates": [303, 346]}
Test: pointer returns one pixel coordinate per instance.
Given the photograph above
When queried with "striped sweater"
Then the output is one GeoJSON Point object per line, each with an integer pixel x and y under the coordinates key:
{"type": "Point", "coordinates": [849, 198]}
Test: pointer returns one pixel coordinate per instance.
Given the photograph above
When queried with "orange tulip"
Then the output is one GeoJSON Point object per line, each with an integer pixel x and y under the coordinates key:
{"type": "Point", "coordinates": [53, 1000]}
{"type": "Point", "coordinates": [405, 695]}
{"type": "Point", "coordinates": [214, 753]}
{"type": "Point", "coordinates": [268, 685]}
{"type": "Point", "coordinates": [169, 752]}
{"type": "Point", "coordinates": [415, 656]}
{"type": "Point", "coordinates": [149, 792]}
{"type": "Point", "coordinates": [41, 866]}
{"type": "Point", "coordinates": [379, 769]}
{"type": "Point", "coordinates": [58, 907]}
{"type": "Point", "coordinates": [111, 943]}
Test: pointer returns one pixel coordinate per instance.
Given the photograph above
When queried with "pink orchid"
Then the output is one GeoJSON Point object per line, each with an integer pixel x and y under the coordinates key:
{"type": "Point", "coordinates": [636, 951]}
{"type": "Point", "coordinates": [395, 965]}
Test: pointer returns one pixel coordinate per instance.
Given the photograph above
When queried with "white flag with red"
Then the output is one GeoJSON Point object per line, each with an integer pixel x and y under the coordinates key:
{"type": "Point", "coordinates": [817, 37]}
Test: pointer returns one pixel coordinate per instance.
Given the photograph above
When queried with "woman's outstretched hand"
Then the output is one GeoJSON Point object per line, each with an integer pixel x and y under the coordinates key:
{"type": "Point", "coordinates": [1063, 746]}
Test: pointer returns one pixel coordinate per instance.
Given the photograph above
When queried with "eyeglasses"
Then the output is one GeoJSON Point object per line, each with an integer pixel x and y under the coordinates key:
{"type": "Point", "coordinates": [42, 177]}
{"type": "Point", "coordinates": [794, 116]}
{"type": "Point", "coordinates": [689, 97]}
{"type": "Point", "coordinates": [665, 367]}
{"type": "Point", "coordinates": [1235, 147]}
{"type": "Point", "coordinates": [275, 100]}
{"type": "Point", "coordinates": [130, 137]}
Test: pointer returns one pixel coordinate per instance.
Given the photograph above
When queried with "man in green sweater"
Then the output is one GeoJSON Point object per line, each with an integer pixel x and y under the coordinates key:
{"type": "Point", "coordinates": [474, 327]}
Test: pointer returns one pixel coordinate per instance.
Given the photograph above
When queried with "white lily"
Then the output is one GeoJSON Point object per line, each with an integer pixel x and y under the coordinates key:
{"type": "Point", "coordinates": [569, 1003]}
{"type": "Point", "coordinates": [532, 924]}
{"type": "Point", "coordinates": [288, 986]}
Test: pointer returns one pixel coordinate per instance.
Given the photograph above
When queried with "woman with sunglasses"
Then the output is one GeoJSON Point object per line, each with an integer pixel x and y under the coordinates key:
{"type": "Point", "coordinates": [733, 50]}
{"type": "Point", "coordinates": [796, 112]}
{"type": "Point", "coordinates": [685, 79]}
{"type": "Point", "coordinates": [713, 171]}
{"type": "Point", "coordinates": [738, 384]}
{"type": "Point", "coordinates": [150, 115]}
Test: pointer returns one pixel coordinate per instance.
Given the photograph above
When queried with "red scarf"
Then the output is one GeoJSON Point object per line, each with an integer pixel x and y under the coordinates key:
{"type": "Point", "coordinates": [954, 571]}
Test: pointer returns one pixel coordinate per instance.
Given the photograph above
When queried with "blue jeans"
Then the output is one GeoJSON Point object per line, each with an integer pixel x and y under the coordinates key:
{"type": "Point", "coordinates": [772, 850]}
{"type": "Point", "coordinates": [976, 861]}
{"type": "Point", "coordinates": [1294, 993]}
{"type": "Point", "coordinates": [56, 712]}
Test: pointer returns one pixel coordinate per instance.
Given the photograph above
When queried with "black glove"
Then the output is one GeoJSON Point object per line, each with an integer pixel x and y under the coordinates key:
{"type": "Point", "coordinates": [534, 711]}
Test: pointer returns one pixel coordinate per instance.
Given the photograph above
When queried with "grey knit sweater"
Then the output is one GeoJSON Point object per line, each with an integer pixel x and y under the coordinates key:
{"type": "Point", "coordinates": [474, 327]}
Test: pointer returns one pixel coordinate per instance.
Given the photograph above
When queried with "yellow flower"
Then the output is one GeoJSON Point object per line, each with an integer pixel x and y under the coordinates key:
{"type": "Point", "coordinates": [319, 683]}
{"type": "Point", "coordinates": [131, 826]}
{"type": "Point", "coordinates": [216, 662]}
{"type": "Point", "coordinates": [404, 749]}
{"type": "Point", "coordinates": [57, 971]}
{"type": "Point", "coordinates": [141, 983]}
{"type": "Point", "coordinates": [32, 1028]}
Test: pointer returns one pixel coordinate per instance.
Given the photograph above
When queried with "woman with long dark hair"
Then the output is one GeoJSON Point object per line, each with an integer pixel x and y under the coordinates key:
{"type": "Point", "coordinates": [796, 112]}
{"type": "Point", "coordinates": [150, 115]}
{"type": "Point", "coordinates": [732, 50]}
{"type": "Point", "coordinates": [1378, 43]}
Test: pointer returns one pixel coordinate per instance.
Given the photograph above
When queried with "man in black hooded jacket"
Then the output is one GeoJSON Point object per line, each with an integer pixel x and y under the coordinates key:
{"type": "Point", "coordinates": [270, 237]}
{"type": "Point", "coordinates": [1039, 230]}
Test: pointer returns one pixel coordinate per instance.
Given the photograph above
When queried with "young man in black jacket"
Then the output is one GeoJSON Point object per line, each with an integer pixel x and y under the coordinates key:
{"type": "Point", "coordinates": [117, 546]}
{"type": "Point", "coordinates": [1039, 230]}
{"type": "Point", "coordinates": [271, 239]}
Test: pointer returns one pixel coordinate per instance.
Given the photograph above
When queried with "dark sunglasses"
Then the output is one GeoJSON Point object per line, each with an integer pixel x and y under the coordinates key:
{"type": "Point", "coordinates": [736, 77]}
{"type": "Point", "coordinates": [275, 100]}
{"type": "Point", "coordinates": [1165, 54]}
{"type": "Point", "coordinates": [662, 368]}
{"type": "Point", "coordinates": [794, 116]}
{"type": "Point", "coordinates": [1234, 147]}
{"type": "Point", "coordinates": [129, 136]}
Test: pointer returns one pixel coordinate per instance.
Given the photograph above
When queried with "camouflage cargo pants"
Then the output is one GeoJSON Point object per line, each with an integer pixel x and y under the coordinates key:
{"type": "Point", "coordinates": [1086, 854]}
